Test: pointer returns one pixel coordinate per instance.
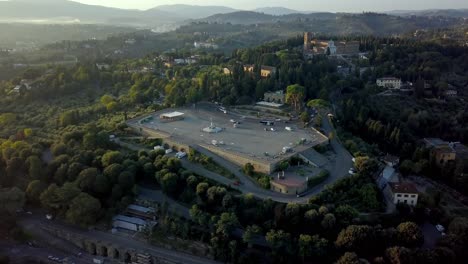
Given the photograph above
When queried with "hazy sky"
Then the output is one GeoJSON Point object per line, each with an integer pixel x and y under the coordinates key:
{"type": "Point", "coordinates": [306, 5]}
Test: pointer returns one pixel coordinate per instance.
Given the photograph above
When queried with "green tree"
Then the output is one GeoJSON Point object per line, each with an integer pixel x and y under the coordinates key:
{"type": "Point", "coordinates": [250, 233]}
{"type": "Point", "coordinates": [111, 157]}
{"type": "Point", "coordinates": [11, 200]}
{"type": "Point", "coordinates": [366, 165]}
{"type": "Point", "coordinates": [305, 117]}
{"type": "Point", "coordinates": [249, 169]}
{"type": "Point", "coordinates": [294, 95]}
{"type": "Point", "coordinates": [112, 172]}
{"type": "Point", "coordinates": [410, 235]}
{"type": "Point", "coordinates": [345, 214]}
{"type": "Point", "coordinates": [34, 167]}
{"type": "Point", "coordinates": [349, 258]}
{"type": "Point", "coordinates": [305, 246]}
{"type": "Point", "coordinates": [86, 179]}
{"type": "Point", "coordinates": [202, 187]}
{"type": "Point", "coordinates": [84, 210]}
{"type": "Point", "coordinates": [328, 221]}
{"type": "Point", "coordinates": [318, 104]}
{"type": "Point", "coordinates": [7, 119]}
{"type": "Point", "coordinates": [101, 185]}
{"type": "Point", "coordinates": [34, 190]}
{"type": "Point", "coordinates": [169, 183]}
{"type": "Point", "coordinates": [355, 238]}
{"type": "Point", "coordinates": [279, 241]}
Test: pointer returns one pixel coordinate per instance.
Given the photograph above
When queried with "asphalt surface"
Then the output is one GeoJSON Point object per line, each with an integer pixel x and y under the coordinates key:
{"type": "Point", "coordinates": [338, 169]}
{"type": "Point", "coordinates": [34, 223]}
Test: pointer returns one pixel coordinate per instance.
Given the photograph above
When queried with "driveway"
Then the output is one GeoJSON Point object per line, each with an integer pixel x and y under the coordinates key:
{"type": "Point", "coordinates": [431, 235]}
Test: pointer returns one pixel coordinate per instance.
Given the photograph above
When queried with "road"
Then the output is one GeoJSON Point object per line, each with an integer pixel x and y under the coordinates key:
{"type": "Point", "coordinates": [338, 169]}
{"type": "Point", "coordinates": [31, 223]}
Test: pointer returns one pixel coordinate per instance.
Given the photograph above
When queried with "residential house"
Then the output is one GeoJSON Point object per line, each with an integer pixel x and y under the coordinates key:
{"type": "Point", "coordinates": [403, 193]}
{"type": "Point", "coordinates": [267, 71]}
{"type": "Point", "coordinates": [169, 64]}
{"type": "Point", "coordinates": [130, 41]}
{"type": "Point", "coordinates": [443, 152]}
{"type": "Point", "coordinates": [102, 66]}
{"type": "Point", "coordinates": [275, 97]}
{"type": "Point", "coordinates": [249, 68]}
{"type": "Point", "coordinates": [389, 83]}
{"type": "Point", "coordinates": [450, 93]}
{"type": "Point", "coordinates": [227, 71]}
{"type": "Point", "coordinates": [347, 47]}
{"type": "Point", "coordinates": [391, 160]}
{"type": "Point", "coordinates": [205, 45]}
{"type": "Point", "coordinates": [320, 47]}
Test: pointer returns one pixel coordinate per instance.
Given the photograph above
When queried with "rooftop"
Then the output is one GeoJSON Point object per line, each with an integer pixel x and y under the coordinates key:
{"type": "Point", "coordinates": [172, 114]}
{"type": "Point", "coordinates": [388, 172]}
{"type": "Point", "coordinates": [248, 138]}
{"type": "Point", "coordinates": [142, 209]}
{"type": "Point", "coordinates": [403, 188]}
{"type": "Point", "coordinates": [268, 104]}
{"type": "Point", "coordinates": [432, 142]}
{"type": "Point", "coordinates": [128, 219]}
{"type": "Point", "coordinates": [268, 68]}
{"type": "Point", "coordinates": [388, 79]}
{"type": "Point", "coordinates": [291, 181]}
{"type": "Point", "coordinates": [391, 159]}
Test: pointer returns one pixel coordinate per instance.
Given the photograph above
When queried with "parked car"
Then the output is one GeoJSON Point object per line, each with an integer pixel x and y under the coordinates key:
{"type": "Point", "coordinates": [237, 183]}
{"type": "Point", "coordinates": [352, 171]}
{"type": "Point", "coordinates": [440, 228]}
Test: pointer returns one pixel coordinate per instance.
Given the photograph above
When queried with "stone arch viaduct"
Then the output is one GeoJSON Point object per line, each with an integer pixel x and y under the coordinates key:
{"type": "Point", "coordinates": [112, 251]}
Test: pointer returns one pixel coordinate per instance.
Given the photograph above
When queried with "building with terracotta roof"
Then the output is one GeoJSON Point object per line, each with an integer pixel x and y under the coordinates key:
{"type": "Point", "coordinates": [291, 184]}
{"type": "Point", "coordinates": [389, 83]}
{"type": "Point", "coordinates": [403, 193]}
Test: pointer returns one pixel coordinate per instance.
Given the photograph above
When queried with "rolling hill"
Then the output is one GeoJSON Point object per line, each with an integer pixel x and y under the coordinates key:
{"type": "Point", "coordinates": [58, 11]}
{"type": "Point", "coordinates": [193, 11]}
{"type": "Point", "coordinates": [277, 11]}
{"type": "Point", "coordinates": [331, 23]}
{"type": "Point", "coordinates": [454, 13]}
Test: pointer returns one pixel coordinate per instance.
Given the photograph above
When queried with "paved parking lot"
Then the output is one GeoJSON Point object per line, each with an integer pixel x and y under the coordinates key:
{"type": "Point", "coordinates": [248, 139]}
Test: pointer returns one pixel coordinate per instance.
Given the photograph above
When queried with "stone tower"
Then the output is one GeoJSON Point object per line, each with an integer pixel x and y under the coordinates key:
{"type": "Point", "coordinates": [307, 40]}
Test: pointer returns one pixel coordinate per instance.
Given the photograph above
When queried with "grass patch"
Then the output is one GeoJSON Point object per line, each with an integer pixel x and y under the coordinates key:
{"type": "Point", "coordinates": [209, 164]}
{"type": "Point", "coordinates": [148, 143]}
{"type": "Point", "coordinates": [262, 179]}
{"type": "Point", "coordinates": [321, 177]}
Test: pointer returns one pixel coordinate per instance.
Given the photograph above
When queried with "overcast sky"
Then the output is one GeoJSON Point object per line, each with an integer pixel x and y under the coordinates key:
{"type": "Point", "coordinates": [303, 5]}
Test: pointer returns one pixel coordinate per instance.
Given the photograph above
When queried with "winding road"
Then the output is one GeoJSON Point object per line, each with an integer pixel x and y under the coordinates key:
{"type": "Point", "coordinates": [338, 168]}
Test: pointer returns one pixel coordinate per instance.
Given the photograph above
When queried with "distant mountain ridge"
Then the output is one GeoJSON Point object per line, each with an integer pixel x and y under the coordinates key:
{"type": "Point", "coordinates": [277, 11]}
{"type": "Point", "coordinates": [455, 13]}
{"type": "Point", "coordinates": [168, 17]}
{"type": "Point", "coordinates": [192, 11]}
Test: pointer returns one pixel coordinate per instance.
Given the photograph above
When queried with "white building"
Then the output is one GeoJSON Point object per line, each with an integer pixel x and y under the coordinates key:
{"type": "Point", "coordinates": [205, 45]}
{"type": "Point", "coordinates": [102, 66]}
{"type": "Point", "coordinates": [128, 223]}
{"type": "Point", "coordinates": [389, 82]}
{"type": "Point", "coordinates": [403, 193]}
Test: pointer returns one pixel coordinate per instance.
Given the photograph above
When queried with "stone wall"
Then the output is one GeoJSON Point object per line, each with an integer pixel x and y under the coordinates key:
{"type": "Point", "coordinates": [114, 253]}
{"type": "Point", "coordinates": [260, 166]}
{"type": "Point", "coordinates": [278, 187]}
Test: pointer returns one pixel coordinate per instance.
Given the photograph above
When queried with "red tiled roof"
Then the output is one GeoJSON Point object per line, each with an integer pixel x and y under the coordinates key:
{"type": "Point", "coordinates": [403, 187]}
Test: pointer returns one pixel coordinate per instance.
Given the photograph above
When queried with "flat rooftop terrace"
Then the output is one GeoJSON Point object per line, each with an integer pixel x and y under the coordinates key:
{"type": "Point", "coordinates": [248, 139]}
